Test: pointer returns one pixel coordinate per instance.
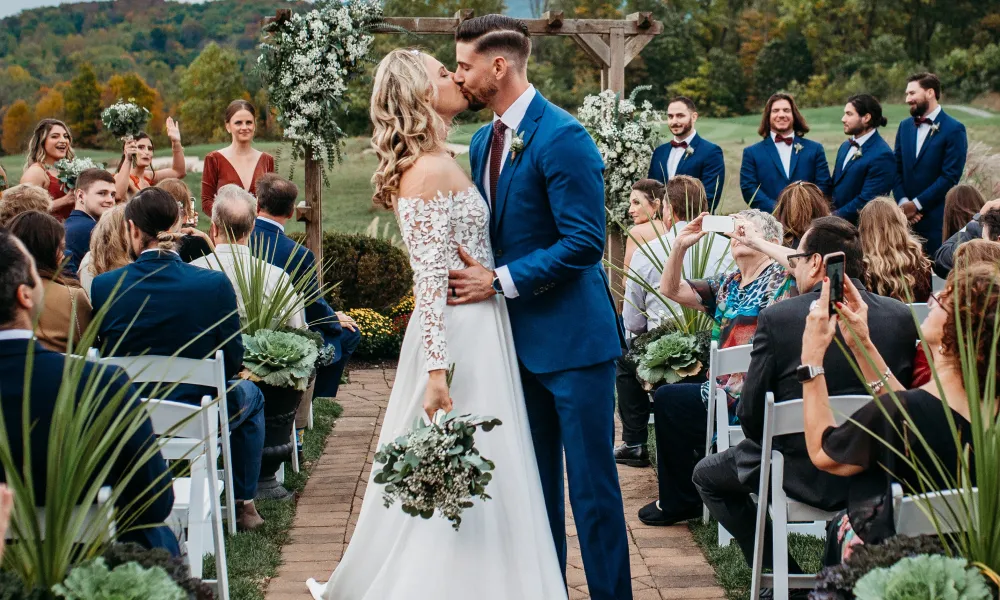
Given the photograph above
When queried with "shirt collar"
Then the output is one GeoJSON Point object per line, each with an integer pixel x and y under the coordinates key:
{"type": "Point", "coordinates": [272, 222]}
{"type": "Point", "coordinates": [157, 250]}
{"type": "Point", "coordinates": [242, 249]}
{"type": "Point", "coordinates": [16, 334]}
{"type": "Point", "coordinates": [688, 139]}
{"type": "Point", "coordinates": [83, 213]}
{"type": "Point", "coordinates": [861, 140]}
{"type": "Point", "coordinates": [514, 114]}
{"type": "Point", "coordinates": [933, 115]}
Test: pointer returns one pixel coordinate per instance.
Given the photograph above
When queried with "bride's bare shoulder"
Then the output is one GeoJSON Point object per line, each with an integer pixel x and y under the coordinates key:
{"type": "Point", "coordinates": [430, 174]}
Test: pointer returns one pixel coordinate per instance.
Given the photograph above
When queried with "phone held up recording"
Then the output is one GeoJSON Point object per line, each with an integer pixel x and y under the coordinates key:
{"type": "Point", "coordinates": [835, 273]}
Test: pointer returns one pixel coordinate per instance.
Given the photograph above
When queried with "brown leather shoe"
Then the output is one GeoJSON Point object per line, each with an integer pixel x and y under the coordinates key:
{"type": "Point", "coordinates": [247, 517]}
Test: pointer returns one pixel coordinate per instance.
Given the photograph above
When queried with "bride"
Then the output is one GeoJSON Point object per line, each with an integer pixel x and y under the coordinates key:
{"type": "Point", "coordinates": [504, 548]}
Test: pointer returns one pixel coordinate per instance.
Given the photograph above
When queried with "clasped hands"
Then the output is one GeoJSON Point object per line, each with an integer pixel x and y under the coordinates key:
{"type": "Point", "coordinates": [472, 284]}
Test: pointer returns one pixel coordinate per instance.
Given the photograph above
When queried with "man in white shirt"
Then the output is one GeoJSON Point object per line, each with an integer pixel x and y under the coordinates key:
{"type": "Point", "coordinates": [233, 215]}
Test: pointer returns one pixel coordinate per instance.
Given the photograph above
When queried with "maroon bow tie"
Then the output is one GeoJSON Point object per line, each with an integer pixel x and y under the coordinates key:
{"type": "Point", "coordinates": [676, 144]}
{"type": "Point", "coordinates": [778, 138]}
{"type": "Point", "coordinates": [855, 144]}
{"type": "Point", "coordinates": [918, 121]}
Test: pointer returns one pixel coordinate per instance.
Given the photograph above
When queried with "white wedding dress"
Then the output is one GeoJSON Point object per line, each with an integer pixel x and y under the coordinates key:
{"type": "Point", "coordinates": [504, 548]}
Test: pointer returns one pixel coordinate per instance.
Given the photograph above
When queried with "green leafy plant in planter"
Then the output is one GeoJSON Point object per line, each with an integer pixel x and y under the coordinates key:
{"type": "Point", "coordinates": [130, 581]}
{"type": "Point", "coordinates": [924, 576]}
{"type": "Point", "coordinates": [175, 567]}
{"type": "Point", "coordinates": [669, 359]}
{"type": "Point", "coordinates": [837, 582]}
{"type": "Point", "coordinates": [279, 359]}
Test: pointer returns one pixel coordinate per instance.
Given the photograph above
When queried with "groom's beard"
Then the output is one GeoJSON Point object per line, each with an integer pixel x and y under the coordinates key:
{"type": "Point", "coordinates": [478, 103]}
{"type": "Point", "coordinates": [919, 109]}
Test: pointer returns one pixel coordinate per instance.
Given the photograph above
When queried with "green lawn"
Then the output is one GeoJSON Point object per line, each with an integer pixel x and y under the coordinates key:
{"type": "Point", "coordinates": [347, 198]}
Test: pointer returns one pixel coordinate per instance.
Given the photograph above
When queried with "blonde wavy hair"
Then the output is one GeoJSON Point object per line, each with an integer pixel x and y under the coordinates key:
{"type": "Point", "coordinates": [36, 145]}
{"type": "Point", "coordinates": [109, 242]}
{"type": "Point", "coordinates": [406, 124]}
{"type": "Point", "coordinates": [893, 256]}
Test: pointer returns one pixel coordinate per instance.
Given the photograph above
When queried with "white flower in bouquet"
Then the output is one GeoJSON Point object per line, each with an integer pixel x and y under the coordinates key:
{"type": "Point", "coordinates": [125, 119]}
{"type": "Point", "coordinates": [70, 169]}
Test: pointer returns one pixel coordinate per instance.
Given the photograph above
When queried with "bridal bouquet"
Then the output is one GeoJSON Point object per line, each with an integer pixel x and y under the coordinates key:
{"type": "Point", "coordinates": [436, 466]}
{"type": "Point", "coordinates": [70, 169]}
{"type": "Point", "coordinates": [125, 119]}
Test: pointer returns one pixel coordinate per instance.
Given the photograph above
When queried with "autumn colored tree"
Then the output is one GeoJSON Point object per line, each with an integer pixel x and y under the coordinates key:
{"type": "Point", "coordinates": [83, 107]}
{"type": "Point", "coordinates": [131, 86]}
{"type": "Point", "coordinates": [18, 123]}
{"type": "Point", "coordinates": [51, 105]}
{"type": "Point", "coordinates": [212, 81]}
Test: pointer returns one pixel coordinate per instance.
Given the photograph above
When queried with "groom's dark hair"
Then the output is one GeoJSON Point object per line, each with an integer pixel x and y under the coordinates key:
{"type": "Point", "coordinates": [498, 34]}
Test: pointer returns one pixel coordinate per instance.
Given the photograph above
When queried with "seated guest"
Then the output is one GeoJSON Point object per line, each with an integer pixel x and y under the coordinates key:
{"type": "Point", "coordinates": [991, 225]}
{"type": "Point", "coordinates": [866, 166]}
{"type": "Point", "coordinates": [798, 206]}
{"type": "Point", "coordinates": [275, 205]}
{"type": "Point", "coordinates": [895, 264]}
{"type": "Point", "coordinates": [688, 153]}
{"type": "Point", "coordinates": [164, 307]}
{"type": "Point", "coordinates": [961, 204]}
{"type": "Point", "coordinates": [973, 230]}
{"type": "Point", "coordinates": [645, 309]}
{"type": "Point", "coordinates": [150, 487]}
{"type": "Point", "coordinates": [194, 243]}
{"type": "Point", "coordinates": [109, 247]}
{"type": "Point", "coordinates": [865, 448]}
{"type": "Point", "coordinates": [726, 480]}
{"type": "Point", "coordinates": [646, 209]}
{"type": "Point", "coordinates": [66, 311]}
{"type": "Point", "coordinates": [22, 198]}
{"type": "Point", "coordinates": [733, 300]}
{"type": "Point", "coordinates": [233, 214]}
{"type": "Point", "coordinates": [95, 194]}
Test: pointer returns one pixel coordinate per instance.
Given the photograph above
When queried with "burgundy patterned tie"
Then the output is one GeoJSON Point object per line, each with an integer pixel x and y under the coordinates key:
{"type": "Point", "coordinates": [496, 159]}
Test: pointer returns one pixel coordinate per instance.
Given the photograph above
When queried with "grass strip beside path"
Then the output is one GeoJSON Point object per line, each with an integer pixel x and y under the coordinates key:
{"type": "Point", "coordinates": [254, 557]}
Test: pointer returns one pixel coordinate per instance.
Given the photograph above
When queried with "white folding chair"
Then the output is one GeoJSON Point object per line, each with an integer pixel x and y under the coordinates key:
{"type": "Point", "coordinates": [937, 284]}
{"type": "Point", "coordinates": [184, 434]}
{"type": "Point", "coordinates": [920, 310]}
{"type": "Point", "coordinates": [209, 372]}
{"type": "Point", "coordinates": [912, 514]}
{"type": "Point", "coordinates": [785, 418]}
{"type": "Point", "coordinates": [102, 508]}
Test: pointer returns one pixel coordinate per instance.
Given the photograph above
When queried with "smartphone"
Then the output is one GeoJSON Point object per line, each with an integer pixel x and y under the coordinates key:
{"type": "Point", "coordinates": [835, 272]}
{"type": "Point", "coordinates": [718, 224]}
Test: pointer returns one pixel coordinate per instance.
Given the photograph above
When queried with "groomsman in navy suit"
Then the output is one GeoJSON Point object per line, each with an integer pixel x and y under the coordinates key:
{"type": "Point", "coordinates": [930, 157]}
{"type": "Point", "coordinates": [783, 156]}
{"type": "Point", "coordinates": [689, 153]}
{"type": "Point", "coordinates": [865, 166]}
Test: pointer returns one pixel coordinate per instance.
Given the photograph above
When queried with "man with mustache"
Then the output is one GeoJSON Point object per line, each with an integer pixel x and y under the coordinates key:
{"type": "Point", "coordinates": [782, 157]}
{"type": "Point", "coordinates": [688, 153]}
{"type": "Point", "coordinates": [931, 147]}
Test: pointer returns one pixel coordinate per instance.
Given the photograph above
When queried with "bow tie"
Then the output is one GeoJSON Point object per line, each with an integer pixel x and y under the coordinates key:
{"type": "Point", "coordinates": [676, 144]}
{"type": "Point", "coordinates": [855, 144]}
{"type": "Point", "coordinates": [778, 138]}
{"type": "Point", "coordinates": [918, 121]}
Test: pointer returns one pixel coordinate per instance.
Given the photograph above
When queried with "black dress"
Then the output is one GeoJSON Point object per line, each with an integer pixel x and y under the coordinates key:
{"type": "Point", "coordinates": [192, 247]}
{"type": "Point", "coordinates": [869, 511]}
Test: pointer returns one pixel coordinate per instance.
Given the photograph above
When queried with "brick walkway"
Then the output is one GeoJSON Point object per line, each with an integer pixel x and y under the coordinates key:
{"type": "Point", "coordinates": [666, 563]}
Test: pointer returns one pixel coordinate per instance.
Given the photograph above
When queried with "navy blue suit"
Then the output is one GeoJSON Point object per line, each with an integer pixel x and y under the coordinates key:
{"type": "Point", "coordinates": [928, 177]}
{"type": "Point", "coordinates": [762, 176]}
{"type": "Point", "coordinates": [705, 163]}
{"type": "Point", "coordinates": [79, 225]}
{"type": "Point", "coordinates": [548, 228]}
{"type": "Point", "coordinates": [162, 306]}
{"type": "Point", "coordinates": [866, 177]}
{"type": "Point", "coordinates": [284, 252]}
{"type": "Point", "coordinates": [46, 378]}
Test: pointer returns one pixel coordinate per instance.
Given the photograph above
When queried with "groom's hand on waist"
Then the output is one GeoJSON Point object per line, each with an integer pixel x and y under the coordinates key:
{"type": "Point", "coordinates": [472, 284]}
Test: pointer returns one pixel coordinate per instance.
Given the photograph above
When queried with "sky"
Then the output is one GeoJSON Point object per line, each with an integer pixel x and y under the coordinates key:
{"type": "Point", "coordinates": [12, 7]}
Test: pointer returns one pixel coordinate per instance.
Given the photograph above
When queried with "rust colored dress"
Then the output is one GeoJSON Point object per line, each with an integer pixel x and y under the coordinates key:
{"type": "Point", "coordinates": [219, 172]}
{"type": "Point", "coordinates": [56, 191]}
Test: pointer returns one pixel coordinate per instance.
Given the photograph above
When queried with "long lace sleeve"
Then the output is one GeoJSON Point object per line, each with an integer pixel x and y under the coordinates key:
{"type": "Point", "coordinates": [425, 230]}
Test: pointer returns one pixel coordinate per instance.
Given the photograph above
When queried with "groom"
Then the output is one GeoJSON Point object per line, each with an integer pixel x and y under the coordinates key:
{"type": "Point", "coordinates": [542, 176]}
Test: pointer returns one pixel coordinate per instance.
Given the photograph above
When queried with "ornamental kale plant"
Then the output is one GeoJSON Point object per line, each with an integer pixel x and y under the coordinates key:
{"type": "Point", "coordinates": [436, 466]}
{"type": "Point", "coordinates": [669, 359]}
{"type": "Point", "coordinates": [279, 358]}
{"type": "Point", "coordinates": [836, 582]}
{"type": "Point", "coordinates": [94, 581]}
{"type": "Point", "coordinates": [933, 577]}
{"type": "Point", "coordinates": [70, 169]}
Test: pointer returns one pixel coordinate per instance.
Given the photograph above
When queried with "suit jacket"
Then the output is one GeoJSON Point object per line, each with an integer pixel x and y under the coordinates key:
{"type": "Point", "coordinates": [762, 176]}
{"type": "Point", "coordinates": [865, 177]}
{"type": "Point", "coordinates": [46, 379]}
{"type": "Point", "coordinates": [79, 225]}
{"type": "Point", "coordinates": [548, 228]}
{"type": "Point", "coordinates": [777, 351]}
{"type": "Point", "coordinates": [928, 177]}
{"type": "Point", "coordinates": [705, 164]}
{"type": "Point", "coordinates": [159, 304]}
{"type": "Point", "coordinates": [284, 252]}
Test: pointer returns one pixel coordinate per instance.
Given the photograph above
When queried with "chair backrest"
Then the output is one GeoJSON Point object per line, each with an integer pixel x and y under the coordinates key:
{"type": "Point", "coordinates": [726, 361]}
{"type": "Point", "coordinates": [937, 284]}
{"type": "Point", "coordinates": [785, 418]}
{"type": "Point", "coordinates": [951, 508]}
{"type": "Point", "coordinates": [208, 372]}
{"type": "Point", "coordinates": [102, 508]}
{"type": "Point", "coordinates": [920, 310]}
{"type": "Point", "coordinates": [181, 429]}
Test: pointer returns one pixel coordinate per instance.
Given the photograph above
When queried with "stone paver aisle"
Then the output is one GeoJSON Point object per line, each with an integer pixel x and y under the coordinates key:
{"type": "Point", "coordinates": [666, 562]}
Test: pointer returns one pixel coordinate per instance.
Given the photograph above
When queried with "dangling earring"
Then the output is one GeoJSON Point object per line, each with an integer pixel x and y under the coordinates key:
{"type": "Point", "coordinates": [941, 349]}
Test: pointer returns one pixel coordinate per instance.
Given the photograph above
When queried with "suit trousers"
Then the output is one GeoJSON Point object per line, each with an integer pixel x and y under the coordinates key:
{"type": "Point", "coordinates": [574, 410]}
{"type": "Point", "coordinates": [245, 402]}
{"type": "Point", "coordinates": [328, 378]}
{"type": "Point", "coordinates": [679, 417]}
{"type": "Point", "coordinates": [633, 406]}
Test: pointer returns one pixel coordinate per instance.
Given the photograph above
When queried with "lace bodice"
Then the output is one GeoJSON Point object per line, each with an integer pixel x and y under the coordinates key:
{"type": "Point", "coordinates": [433, 230]}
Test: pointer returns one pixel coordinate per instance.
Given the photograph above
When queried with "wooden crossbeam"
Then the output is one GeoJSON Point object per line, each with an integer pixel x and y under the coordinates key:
{"type": "Point", "coordinates": [595, 47]}
{"type": "Point", "coordinates": [552, 25]}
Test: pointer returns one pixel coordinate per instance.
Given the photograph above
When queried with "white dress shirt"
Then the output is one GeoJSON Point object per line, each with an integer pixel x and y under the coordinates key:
{"type": "Point", "coordinates": [272, 222]}
{"type": "Point", "coordinates": [512, 118]}
{"type": "Point", "coordinates": [785, 153]}
{"type": "Point", "coordinates": [224, 259]}
{"type": "Point", "coordinates": [676, 154]}
{"type": "Point", "coordinates": [851, 150]}
{"type": "Point", "coordinates": [922, 131]}
{"type": "Point", "coordinates": [16, 334]}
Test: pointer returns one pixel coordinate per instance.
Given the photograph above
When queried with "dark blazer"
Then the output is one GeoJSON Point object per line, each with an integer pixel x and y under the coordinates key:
{"type": "Point", "coordinates": [944, 258]}
{"type": "Point", "coordinates": [762, 176]}
{"type": "Point", "coordinates": [284, 252]}
{"type": "Point", "coordinates": [865, 177]}
{"type": "Point", "coordinates": [159, 304]}
{"type": "Point", "coordinates": [79, 225]}
{"type": "Point", "coordinates": [46, 378]}
{"type": "Point", "coordinates": [705, 164]}
{"type": "Point", "coordinates": [777, 351]}
{"type": "Point", "coordinates": [928, 177]}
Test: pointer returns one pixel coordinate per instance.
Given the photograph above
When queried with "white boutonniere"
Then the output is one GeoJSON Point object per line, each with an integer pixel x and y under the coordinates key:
{"type": "Point", "coordinates": [516, 146]}
{"type": "Point", "coordinates": [687, 152]}
{"type": "Point", "coordinates": [934, 128]}
{"type": "Point", "coordinates": [857, 155]}
{"type": "Point", "coordinates": [797, 147]}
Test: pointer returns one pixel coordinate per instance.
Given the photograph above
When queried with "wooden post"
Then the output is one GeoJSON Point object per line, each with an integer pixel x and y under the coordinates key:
{"type": "Point", "coordinates": [313, 215]}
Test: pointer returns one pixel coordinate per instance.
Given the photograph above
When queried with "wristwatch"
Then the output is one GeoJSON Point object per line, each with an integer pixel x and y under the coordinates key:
{"type": "Point", "coordinates": [808, 372]}
{"type": "Point", "coordinates": [497, 287]}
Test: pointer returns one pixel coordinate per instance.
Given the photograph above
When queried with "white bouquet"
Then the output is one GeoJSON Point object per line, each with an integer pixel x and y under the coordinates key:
{"type": "Point", "coordinates": [436, 466]}
{"type": "Point", "coordinates": [125, 119]}
{"type": "Point", "coordinates": [70, 169]}
{"type": "Point", "coordinates": [626, 134]}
